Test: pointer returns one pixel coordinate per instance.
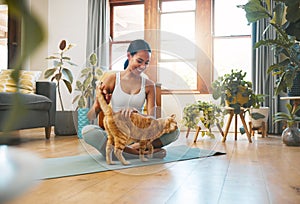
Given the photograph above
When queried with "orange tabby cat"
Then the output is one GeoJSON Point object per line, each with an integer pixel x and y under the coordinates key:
{"type": "Point", "coordinates": [122, 131]}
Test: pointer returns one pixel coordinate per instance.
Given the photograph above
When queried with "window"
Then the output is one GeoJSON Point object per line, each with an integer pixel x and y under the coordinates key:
{"type": "Point", "coordinates": [198, 40]}
{"type": "Point", "coordinates": [3, 36]}
{"type": "Point", "coordinates": [127, 25]}
{"type": "Point", "coordinates": [177, 58]}
{"type": "Point", "coordinates": [232, 38]}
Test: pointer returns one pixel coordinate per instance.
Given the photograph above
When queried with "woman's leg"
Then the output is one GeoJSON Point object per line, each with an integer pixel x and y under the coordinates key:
{"type": "Point", "coordinates": [166, 139]}
{"type": "Point", "coordinates": [96, 137]}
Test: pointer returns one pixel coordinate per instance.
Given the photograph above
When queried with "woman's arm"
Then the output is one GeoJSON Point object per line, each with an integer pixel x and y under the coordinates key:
{"type": "Point", "coordinates": [150, 98]}
{"type": "Point", "coordinates": [94, 110]}
{"type": "Point", "coordinates": [106, 88]}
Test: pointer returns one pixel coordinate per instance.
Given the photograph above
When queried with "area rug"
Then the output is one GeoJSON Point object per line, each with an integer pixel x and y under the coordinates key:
{"type": "Point", "coordinates": [85, 164]}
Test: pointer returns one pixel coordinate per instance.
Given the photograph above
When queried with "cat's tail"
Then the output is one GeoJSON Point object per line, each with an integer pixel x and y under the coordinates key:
{"type": "Point", "coordinates": [107, 110]}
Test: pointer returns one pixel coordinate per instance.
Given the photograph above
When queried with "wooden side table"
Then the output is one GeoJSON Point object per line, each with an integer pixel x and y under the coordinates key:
{"type": "Point", "coordinates": [242, 117]}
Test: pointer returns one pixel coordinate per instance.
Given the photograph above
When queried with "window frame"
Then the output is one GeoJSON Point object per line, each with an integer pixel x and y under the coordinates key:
{"type": "Point", "coordinates": [203, 30]}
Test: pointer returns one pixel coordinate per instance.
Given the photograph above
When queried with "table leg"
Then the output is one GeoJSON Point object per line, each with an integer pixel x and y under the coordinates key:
{"type": "Point", "coordinates": [197, 133]}
{"type": "Point", "coordinates": [235, 126]}
{"type": "Point", "coordinates": [245, 126]}
{"type": "Point", "coordinates": [228, 125]}
{"type": "Point", "coordinates": [187, 132]}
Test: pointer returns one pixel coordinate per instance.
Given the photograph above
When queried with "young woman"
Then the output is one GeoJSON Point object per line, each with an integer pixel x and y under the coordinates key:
{"type": "Point", "coordinates": [127, 91]}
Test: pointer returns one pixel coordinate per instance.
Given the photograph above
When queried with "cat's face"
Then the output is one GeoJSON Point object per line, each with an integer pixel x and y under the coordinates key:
{"type": "Point", "coordinates": [170, 123]}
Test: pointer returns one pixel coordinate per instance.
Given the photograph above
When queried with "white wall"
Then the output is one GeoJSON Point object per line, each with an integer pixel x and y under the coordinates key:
{"type": "Point", "coordinates": [63, 19]}
{"type": "Point", "coordinates": [68, 20]}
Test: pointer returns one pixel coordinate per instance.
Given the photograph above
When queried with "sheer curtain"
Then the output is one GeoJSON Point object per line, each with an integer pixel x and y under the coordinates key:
{"type": "Point", "coordinates": [264, 83]}
{"type": "Point", "coordinates": [98, 34]}
{"type": "Point", "coordinates": [98, 31]}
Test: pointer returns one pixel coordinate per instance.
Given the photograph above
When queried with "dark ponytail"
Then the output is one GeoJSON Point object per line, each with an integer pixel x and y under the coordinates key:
{"type": "Point", "coordinates": [136, 46]}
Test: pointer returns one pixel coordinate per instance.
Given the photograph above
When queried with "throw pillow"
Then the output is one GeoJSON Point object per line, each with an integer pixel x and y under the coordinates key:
{"type": "Point", "coordinates": [27, 81]}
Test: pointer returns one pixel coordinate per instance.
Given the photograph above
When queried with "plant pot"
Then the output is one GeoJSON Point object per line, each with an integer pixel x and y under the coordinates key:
{"type": "Point", "coordinates": [262, 114]}
{"type": "Point", "coordinates": [64, 123]}
{"type": "Point", "coordinates": [291, 136]}
{"type": "Point", "coordinates": [82, 120]}
{"type": "Point", "coordinates": [239, 98]}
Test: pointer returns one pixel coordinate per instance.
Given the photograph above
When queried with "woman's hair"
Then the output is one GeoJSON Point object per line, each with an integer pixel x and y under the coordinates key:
{"type": "Point", "coordinates": [136, 46]}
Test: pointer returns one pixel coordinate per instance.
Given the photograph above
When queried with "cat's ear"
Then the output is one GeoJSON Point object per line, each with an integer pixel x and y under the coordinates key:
{"type": "Point", "coordinates": [173, 116]}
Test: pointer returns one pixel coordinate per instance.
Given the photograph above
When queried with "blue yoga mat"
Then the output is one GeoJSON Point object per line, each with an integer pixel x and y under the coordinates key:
{"type": "Point", "coordinates": [85, 164]}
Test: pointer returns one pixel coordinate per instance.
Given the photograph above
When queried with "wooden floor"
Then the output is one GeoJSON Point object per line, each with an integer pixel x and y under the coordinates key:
{"type": "Point", "coordinates": [265, 171]}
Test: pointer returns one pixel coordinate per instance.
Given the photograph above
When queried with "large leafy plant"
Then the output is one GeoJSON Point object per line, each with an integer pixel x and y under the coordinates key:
{"type": "Point", "coordinates": [59, 72]}
{"type": "Point", "coordinates": [233, 90]}
{"type": "Point", "coordinates": [207, 113]}
{"type": "Point", "coordinates": [285, 19]}
{"type": "Point", "coordinates": [87, 87]}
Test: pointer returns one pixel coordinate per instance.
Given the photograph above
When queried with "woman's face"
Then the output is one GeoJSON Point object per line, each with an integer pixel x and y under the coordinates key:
{"type": "Point", "coordinates": [139, 61]}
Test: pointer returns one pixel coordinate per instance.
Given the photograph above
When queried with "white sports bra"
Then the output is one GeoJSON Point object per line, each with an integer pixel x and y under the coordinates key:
{"type": "Point", "coordinates": [121, 100]}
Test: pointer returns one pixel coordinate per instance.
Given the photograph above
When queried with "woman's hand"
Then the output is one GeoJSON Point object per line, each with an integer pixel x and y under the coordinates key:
{"type": "Point", "coordinates": [102, 89]}
{"type": "Point", "coordinates": [127, 111]}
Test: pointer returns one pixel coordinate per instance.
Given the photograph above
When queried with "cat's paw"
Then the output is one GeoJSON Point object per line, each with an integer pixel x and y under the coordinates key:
{"type": "Point", "coordinates": [126, 162]}
{"type": "Point", "coordinates": [110, 162]}
{"type": "Point", "coordinates": [143, 159]}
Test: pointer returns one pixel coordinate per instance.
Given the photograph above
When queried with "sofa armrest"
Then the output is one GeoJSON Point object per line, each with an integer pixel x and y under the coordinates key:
{"type": "Point", "coordinates": [48, 89]}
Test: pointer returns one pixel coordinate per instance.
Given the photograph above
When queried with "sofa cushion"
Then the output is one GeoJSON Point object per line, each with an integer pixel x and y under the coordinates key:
{"type": "Point", "coordinates": [31, 101]}
{"type": "Point", "coordinates": [27, 80]}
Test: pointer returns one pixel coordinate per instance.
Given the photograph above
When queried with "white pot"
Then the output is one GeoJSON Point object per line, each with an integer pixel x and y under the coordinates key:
{"type": "Point", "coordinates": [258, 122]}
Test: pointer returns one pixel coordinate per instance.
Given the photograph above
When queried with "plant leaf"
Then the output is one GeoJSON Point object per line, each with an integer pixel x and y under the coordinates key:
{"type": "Point", "coordinates": [67, 74]}
{"type": "Point", "coordinates": [68, 85]}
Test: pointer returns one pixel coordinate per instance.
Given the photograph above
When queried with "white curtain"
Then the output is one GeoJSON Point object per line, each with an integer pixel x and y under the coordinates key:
{"type": "Point", "coordinates": [98, 31]}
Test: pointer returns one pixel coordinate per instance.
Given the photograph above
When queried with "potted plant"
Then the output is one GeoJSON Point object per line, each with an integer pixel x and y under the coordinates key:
{"type": "Point", "coordinates": [291, 134]}
{"type": "Point", "coordinates": [285, 20]}
{"type": "Point", "coordinates": [64, 124]}
{"type": "Point", "coordinates": [258, 115]}
{"type": "Point", "coordinates": [207, 113]}
{"type": "Point", "coordinates": [86, 89]}
{"type": "Point", "coordinates": [233, 90]}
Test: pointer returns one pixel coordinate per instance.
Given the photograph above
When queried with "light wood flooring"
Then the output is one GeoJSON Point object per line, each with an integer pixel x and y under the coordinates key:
{"type": "Point", "coordinates": [262, 172]}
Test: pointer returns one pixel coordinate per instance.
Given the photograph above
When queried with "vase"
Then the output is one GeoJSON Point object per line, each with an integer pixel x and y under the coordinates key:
{"type": "Point", "coordinates": [82, 120]}
{"type": "Point", "coordinates": [291, 136]}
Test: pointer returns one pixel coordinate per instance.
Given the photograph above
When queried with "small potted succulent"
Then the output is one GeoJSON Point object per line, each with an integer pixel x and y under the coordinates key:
{"type": "Point", "coordinates": [233, 90]}
{"type": "Point", "coordinates": [291, 134]}
{"type": "Point", "coordinates": [206, 113]}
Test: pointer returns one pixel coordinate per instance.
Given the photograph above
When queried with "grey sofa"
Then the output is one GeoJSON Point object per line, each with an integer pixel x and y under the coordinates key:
{"type": "Point", "coordinates": [40, 108]}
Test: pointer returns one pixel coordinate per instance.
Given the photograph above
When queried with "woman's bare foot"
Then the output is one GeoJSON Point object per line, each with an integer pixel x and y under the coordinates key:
{"type": "Point", "coordinates": [159, 153]}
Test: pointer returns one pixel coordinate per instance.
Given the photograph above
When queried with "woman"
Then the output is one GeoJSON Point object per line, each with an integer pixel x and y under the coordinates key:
{"type": "Point", "coordinates": [128, 90]}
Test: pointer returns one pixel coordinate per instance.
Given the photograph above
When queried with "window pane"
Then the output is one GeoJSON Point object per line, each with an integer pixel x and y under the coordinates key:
{"type": "Point", "coordinates": [177, 64]}
{"type": "Point", "coordinates": [230, 20]}
{"type": "Point", "coordinates": [3, 36]}
{"type": "Point", "coordinates": [177, 75]}
{"type": "Point", "coordinates": [181, 27]}
{"type": "Point", "coordinates": [232, 54]}
{"type": "Point", "coordinates": [178, 6]}
{"type": "Point", "coordinates": [128, 20]}
{"type": "Point", "coordinates": [176, 47]}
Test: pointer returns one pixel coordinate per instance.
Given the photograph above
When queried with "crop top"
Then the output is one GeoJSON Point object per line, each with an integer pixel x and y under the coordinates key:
{"type": "Point", "coordinates": [121, 100]}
